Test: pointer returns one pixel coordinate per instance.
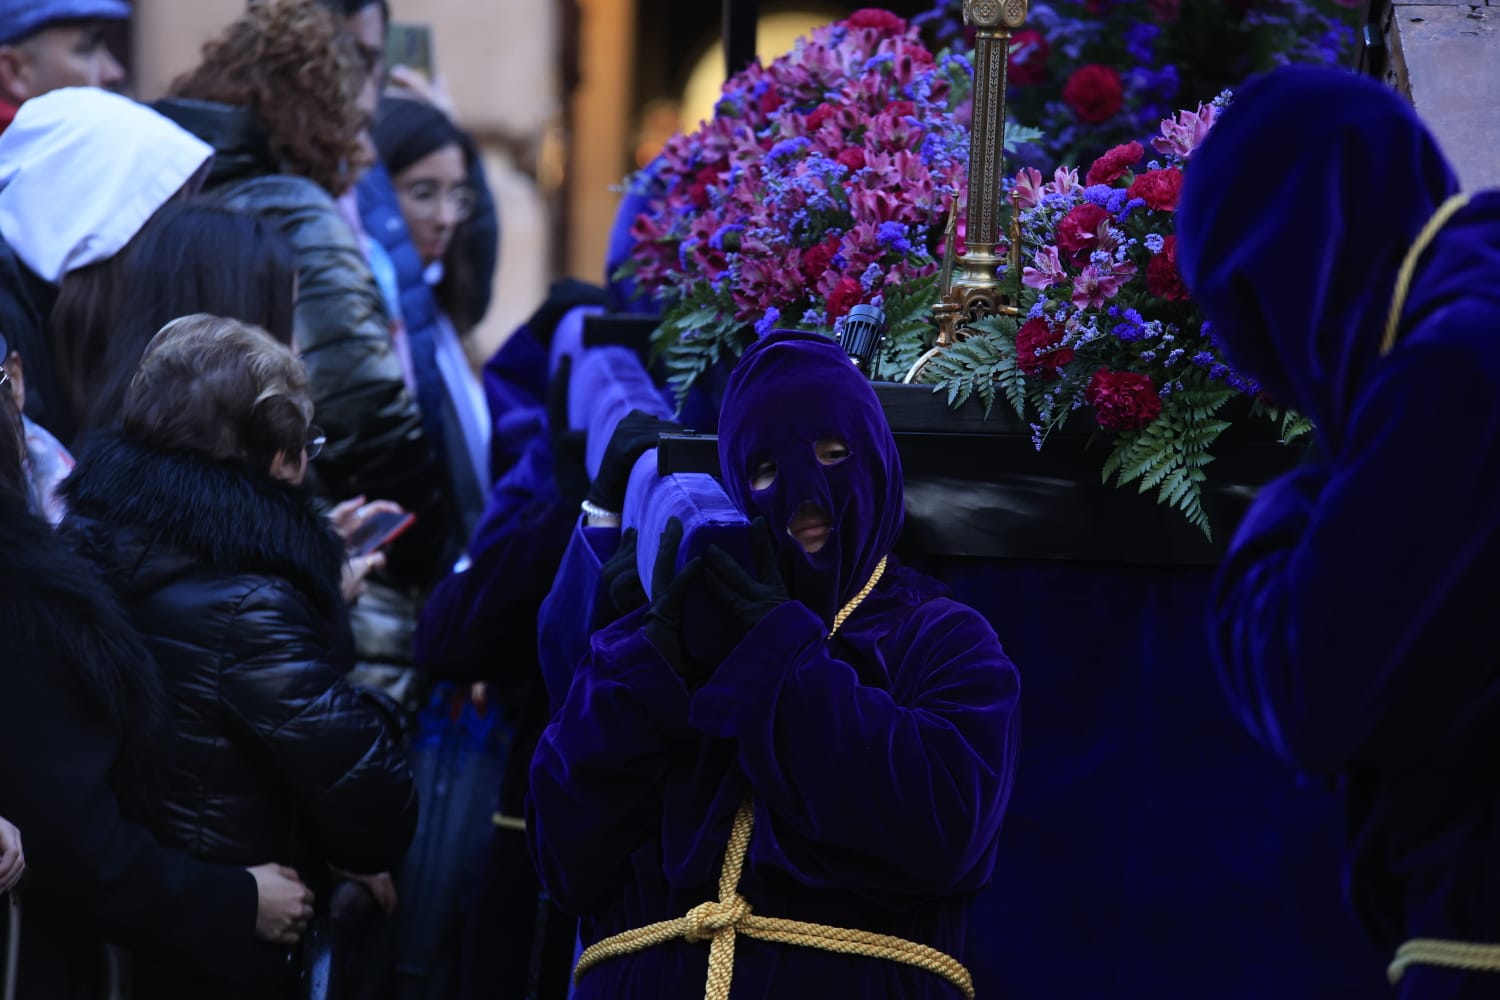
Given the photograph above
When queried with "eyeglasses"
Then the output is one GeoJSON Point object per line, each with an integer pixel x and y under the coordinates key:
{"type": "Point", "coordinates": [425, 199]}
{"type": "Point", "coordinates": [316, 439]}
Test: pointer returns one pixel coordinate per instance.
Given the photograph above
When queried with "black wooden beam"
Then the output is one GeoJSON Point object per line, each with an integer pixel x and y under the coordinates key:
{"type": "Point", "coordinates": [740, 17]}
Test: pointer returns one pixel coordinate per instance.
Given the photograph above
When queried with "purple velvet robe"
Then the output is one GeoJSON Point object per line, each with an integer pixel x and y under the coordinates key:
{"type": "Point", "coordinates": [1354, 614]}
{"type": "Point", "coordinates": [879, 761]}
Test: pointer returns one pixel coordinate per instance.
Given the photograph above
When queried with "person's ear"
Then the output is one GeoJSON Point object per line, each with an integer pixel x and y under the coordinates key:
{"type": "Point", "coordinates": [17, 372]}
{"type": "Point", "coordinates": [14, 85]}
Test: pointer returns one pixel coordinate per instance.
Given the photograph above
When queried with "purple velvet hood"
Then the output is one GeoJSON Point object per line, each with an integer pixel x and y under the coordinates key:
{"type": "Point", "coordinates": [789, 391]}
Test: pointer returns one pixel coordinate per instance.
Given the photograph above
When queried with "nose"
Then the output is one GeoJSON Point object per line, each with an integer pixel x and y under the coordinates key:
{"type": "Point", "coordinates": [110, 70]}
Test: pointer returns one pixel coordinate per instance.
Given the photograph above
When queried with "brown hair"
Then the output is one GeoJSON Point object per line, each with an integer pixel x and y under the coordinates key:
{"type": "Point", "coordinates": [221, 388]}
{"type": "Point", "coordinates": [289, 63]}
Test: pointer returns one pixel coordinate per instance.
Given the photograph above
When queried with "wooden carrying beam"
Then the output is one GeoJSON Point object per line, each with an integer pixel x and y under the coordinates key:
{"type": "Point", "coordinates": [1445, 58]}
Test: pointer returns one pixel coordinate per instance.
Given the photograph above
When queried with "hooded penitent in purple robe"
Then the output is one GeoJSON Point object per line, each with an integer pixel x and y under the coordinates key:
{"type": "Point", "coordinates": [1354, 617]}
{"type": "Point", "coordinates": [879, 761]}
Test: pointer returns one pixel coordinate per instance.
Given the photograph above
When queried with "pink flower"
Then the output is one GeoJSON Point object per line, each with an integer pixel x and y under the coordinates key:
{"type": "Point", "coordinates": [1182, 135]}
{"type": "Point", "coordinates": [1093, 287]}
{"type": "Point", "coordinates": [1048, 271]}
{"type": "Point", "coordinates": [1029, 188]}
{"type": "Point", "coordinates": [1064, 181]}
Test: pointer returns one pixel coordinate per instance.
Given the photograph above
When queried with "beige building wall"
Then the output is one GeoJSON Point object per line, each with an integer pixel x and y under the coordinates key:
{"type": "Point", "coordinates": [499, 59]}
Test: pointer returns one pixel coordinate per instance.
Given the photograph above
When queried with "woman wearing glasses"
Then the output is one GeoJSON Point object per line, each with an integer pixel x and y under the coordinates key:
{"type": "Point", "coordinates": [194, 510]}
{"type": "Point", "coordinates": [430, 162]}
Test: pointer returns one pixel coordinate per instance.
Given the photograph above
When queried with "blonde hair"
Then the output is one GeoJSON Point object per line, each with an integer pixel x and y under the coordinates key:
{"type": "Point", "coordinates": [220, 388]}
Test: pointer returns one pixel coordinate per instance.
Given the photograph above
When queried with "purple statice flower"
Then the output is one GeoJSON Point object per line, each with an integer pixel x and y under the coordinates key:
{"type": "Point", "coordinates": [1129, 208]}
{"type": "Point", "coordinates": [1132, 325]}
{"type": "Point", "coordinates": [894, 235]}
{"type": "Point", "coordinates": [717, 239]}
{"type": "Point", "coordinates": [1175, 357]}
{"type": "Point", "coordinates": [1138, 40]}
{"type": "Point", "coordinates": [786, 149]}
{"type": "Point", "coordinates": [871, 277]}
{"type": "Point", "coordinates": [1155, 242]}
{"type": "Point", "coordinates": [1218, 371]}
{"type": "Point", "coordinates": [1205, 359]}
{"type": "Point", "coordinates": [767, 323]}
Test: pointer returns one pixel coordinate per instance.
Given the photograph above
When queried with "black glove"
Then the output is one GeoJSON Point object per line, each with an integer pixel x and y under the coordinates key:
{"type": "Point", "coordinates": [620, 591]}
{"type": "Point", "coordinates": [634, 434]}
{"type": "Point", "coordinates": [664, 621]}
{"type": "Point", "coordinates": [568, 446]}
{"type": "Point", "coordinates": [749, 599]}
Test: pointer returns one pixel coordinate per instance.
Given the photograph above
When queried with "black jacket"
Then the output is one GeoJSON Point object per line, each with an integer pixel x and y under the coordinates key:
{"type": "Point", "coordinates": [26, 300]}
{"type": "Point", "coordinates": [376, 447]}
{"type": "Point", "coordinates": [77, 696]}
{"type": "Point", "coordinates": [232, 580]}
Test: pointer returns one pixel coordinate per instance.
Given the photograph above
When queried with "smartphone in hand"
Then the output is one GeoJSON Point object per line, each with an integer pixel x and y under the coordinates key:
{"type": "Point", "coordinates": [378, 531]}
{"type": "Point", "coordinates": [410, 45]}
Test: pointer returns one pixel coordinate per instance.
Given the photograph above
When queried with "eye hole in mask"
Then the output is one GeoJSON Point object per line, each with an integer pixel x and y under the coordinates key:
{"type": "Point", "coordinates": [763, 475]}
{"type": "Point", "coordinates": [831, 451]}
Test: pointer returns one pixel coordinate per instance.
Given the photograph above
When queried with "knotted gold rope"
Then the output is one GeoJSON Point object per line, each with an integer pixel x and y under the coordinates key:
{"type": "Point", "coordinates": [720, 921]}
{"type": "Point", "coordinates": [1459, 955]}
{"type": "Point", "coordinates": [1424, 240]}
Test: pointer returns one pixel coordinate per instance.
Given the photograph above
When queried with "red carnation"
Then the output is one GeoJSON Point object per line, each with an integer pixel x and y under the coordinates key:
{"type": "Point", "coordinates": [1160, 188]}
{"type": "Point", "coordinates": [818, 259]}
{"type": "Point", "coordinates": [1165, 11]}
{"type": "Point", "coordinates": [698, 190]}
{"type": "Point", "coordinates": [1028, 58]}
{"type": "Point", "coordinates": [820, 114]}
{"type": "Point", "coordinates": [853, 157]}
{"type": "Point", "coordinates": [1163, 280]}
{"type": "Point", "coordinates": [882, 21]}
{"type": "Point", "coordinates": [769, 101]}
{"type": "Point", "coordinates": [1078, 232]}
{"type": "Point", "coordinates": [1113, 164]}
{"type": "Point", "coordinates": [1037, 350]}
{"type": "Point", "coordinates": [1094, 93]}
{"type": "Point", "coordinates": [845, 296]}
{"type": "Point", "coordinates": [1123, 401]}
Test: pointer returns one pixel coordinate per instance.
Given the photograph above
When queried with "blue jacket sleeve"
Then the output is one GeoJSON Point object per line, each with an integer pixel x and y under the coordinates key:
{"type": "Point", "coordinates": [597, 774]}
{"type": "Point", "coordinates": [896, 791]}
{"type": "Point", "coordinates": [1352, 616]}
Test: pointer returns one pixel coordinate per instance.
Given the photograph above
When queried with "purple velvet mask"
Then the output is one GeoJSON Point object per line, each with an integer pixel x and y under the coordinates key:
{"type": "Point", "coordinates": [788, 392]}
{"type": "Point", "coordinates": [1295, 216]}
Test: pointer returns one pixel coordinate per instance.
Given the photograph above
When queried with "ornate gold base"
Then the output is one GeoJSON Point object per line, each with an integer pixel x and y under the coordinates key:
{"type": "Point", "coordinates": [960, 309]}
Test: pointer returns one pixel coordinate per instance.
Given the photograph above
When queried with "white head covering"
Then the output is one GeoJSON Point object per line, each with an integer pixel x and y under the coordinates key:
{"type": "Point", "coordinates": [82, 170]}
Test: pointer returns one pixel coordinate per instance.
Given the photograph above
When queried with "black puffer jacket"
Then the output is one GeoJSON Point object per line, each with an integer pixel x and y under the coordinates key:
{"type": "Point", "coordinates": [232, 580]}
{"type": "Point", "coordinates": [78, 698]}
{"type": "Point", "coordinates": [376, 447]}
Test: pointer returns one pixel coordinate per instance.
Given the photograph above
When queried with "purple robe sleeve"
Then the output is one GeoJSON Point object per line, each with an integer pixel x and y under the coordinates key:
{"type": "Point", "coordinates": [1353, 615]}
{"type": "Point", "coordinates": [597, 773]}
{"type": "Point", "coordinates": [895, 791]}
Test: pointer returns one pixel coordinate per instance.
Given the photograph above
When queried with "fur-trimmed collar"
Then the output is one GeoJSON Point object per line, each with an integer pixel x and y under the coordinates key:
{"type": "Point", "coordinates": [219, 514]}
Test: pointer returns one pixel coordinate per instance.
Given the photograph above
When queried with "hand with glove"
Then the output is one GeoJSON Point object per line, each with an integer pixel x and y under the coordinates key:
{"type": "Point", "coordinates": [567, 444]}
{"type": "Point", "coordinates": [663, 626]}
{"type": "Point", "coordinates": [634, 435]}
{"type": "Point", "coordinates": [620, 590]}
{"type": "Point", "coordinates": [749, 599]}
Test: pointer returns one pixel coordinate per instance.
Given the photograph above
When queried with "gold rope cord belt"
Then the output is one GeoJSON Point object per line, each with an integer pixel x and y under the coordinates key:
{"type": "Point", "coordinates": [1431, 951]}
{"type": "Point", "coordinates": [720, 921]}
{"type": "Point", "coordinates": [1419, 246]}
{"type": "Point", "coordinates": [1445, 955]}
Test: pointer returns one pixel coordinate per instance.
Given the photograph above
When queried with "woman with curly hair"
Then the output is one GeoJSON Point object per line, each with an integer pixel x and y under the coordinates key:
{"type": "Point", "coordinates": [277, 96]}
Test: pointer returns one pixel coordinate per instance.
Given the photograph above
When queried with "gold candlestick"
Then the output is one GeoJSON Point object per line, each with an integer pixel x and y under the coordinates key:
{"type": "Point", "coordinates": [975, 291]}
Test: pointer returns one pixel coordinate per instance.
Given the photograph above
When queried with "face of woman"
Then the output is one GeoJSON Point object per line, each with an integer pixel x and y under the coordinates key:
{"type": "Point", "coordinates": [435, 198]}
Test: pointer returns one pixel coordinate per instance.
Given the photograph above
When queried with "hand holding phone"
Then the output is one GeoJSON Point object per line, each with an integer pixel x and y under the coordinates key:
{"type": "Point", "coordinates": [377, 530]}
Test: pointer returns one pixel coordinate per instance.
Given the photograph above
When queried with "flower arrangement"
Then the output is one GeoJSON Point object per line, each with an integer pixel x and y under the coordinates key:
{"type": "Point", "coordinates": [1107, 327]}
{"type": "Point", "coordinates": [824, 180]}
{"type": "Point", "coordinates": [1093, 74]}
